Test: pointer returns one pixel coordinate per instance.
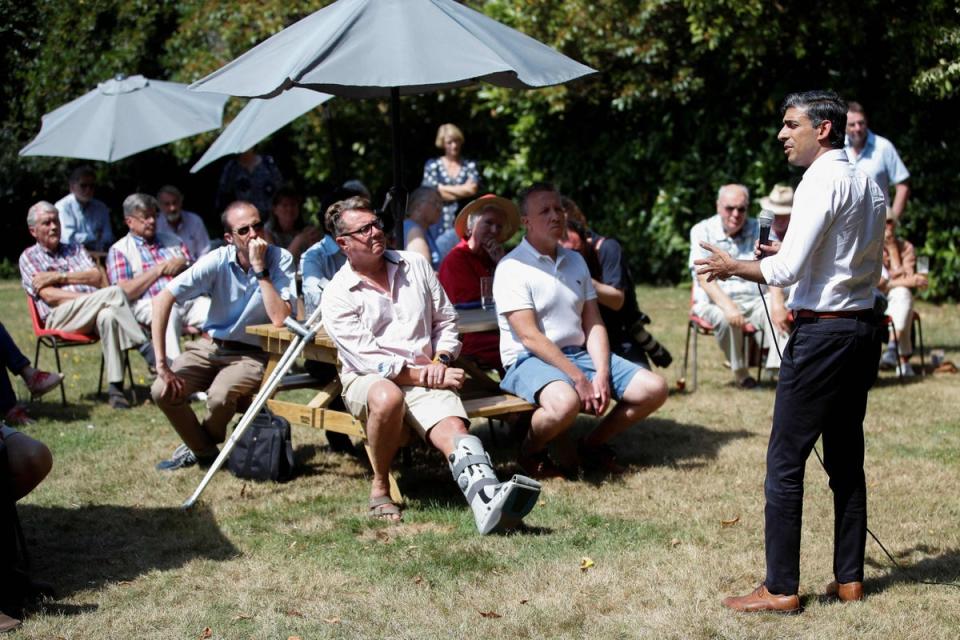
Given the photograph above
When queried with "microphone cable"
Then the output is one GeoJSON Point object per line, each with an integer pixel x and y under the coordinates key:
{"type": "Point", "coordinates": [904, 569]}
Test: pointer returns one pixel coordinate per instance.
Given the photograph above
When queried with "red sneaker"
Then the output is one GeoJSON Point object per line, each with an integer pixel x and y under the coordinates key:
{"type": "Point", "coordinates": [18, 417]}
{"type": "Point", "coordinates": [42, 381]}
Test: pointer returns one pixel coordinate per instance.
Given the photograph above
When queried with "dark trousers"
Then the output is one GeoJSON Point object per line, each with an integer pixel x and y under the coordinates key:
{"type": "Point", "coordinates": [828, 367]}
{"type": "Point", "coordinates": [13, 360]}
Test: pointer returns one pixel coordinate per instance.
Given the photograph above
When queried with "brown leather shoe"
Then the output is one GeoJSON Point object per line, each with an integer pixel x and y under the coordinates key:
{"type": "Point", "coordinates": [845, 591]}
{"type": "Point", "coordinates": [762, 600]}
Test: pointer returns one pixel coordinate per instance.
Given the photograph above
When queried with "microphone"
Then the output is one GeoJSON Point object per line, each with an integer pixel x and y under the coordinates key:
{"type": "Point", "coordinates": [766, 221]}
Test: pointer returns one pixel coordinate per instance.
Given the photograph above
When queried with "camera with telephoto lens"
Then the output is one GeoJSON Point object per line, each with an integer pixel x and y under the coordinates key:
{"type": "Point", "coordinates": [657, 353]}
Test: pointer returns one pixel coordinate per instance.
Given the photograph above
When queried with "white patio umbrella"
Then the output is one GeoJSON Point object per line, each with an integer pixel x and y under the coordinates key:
{"type": "Point", "coordinates": [123, 116]}
{"type": "Point", "coordinates": [258, 119]}
{"type": "Point", "coordinates": [380, 48]}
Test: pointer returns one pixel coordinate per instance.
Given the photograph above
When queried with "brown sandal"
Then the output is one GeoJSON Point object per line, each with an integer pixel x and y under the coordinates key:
{"type": "Point", "coordinates": [384, 508]}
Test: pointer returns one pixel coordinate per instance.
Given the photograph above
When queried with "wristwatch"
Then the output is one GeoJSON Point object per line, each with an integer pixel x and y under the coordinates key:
{"type": "Point", "coordinates": [443, 359]}
{"type": "Point", "coordinates": [261, 275]}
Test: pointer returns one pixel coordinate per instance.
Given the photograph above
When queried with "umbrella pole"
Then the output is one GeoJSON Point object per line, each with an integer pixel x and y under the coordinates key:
{"type": "Point", "coordinates": [398, 199]}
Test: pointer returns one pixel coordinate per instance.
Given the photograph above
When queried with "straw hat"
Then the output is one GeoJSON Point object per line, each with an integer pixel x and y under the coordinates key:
{"type": "Point", "coordinates": [780, 200]}
{"type": "Point", "coordinates": [510, 224]}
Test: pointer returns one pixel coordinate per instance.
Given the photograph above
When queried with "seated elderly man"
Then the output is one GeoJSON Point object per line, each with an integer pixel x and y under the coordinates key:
{"type": "Point", "coordinates": [186, 225]}
{"type": "Point", "coordinates": [729, 304]}
{"type": "Point", "coordinates": [248, 282]}
{"type": "Point", "coordinates": [395, 332]}
{"type": "Point", "coordinates": [68, 289]}
{"type": "Point", "coordinates": [555, 347]}
{"type": "Point", "coordinates": [84, 219]}
{"type": "Point", "coordinates": [900, 277]}
{"type": "Point", "coordinates": [147, 260]}
{"type": "Point", "coordinates": [483, 226]}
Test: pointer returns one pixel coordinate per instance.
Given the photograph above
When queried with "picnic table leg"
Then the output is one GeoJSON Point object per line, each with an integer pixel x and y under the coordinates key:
{"type": "Point", "coordinates": [395, 494]}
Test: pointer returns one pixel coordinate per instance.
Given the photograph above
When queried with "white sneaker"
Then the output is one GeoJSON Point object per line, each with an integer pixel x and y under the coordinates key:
{"type": "Point", "coordinates": [198, 396]}
{"type": "Point", "coordinates": [906, 371]}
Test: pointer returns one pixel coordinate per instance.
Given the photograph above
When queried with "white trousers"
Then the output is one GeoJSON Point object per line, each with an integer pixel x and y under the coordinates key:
{"type": "Point", "coordinates": [730, 339]}
{"type": "Point", "coordinates": [900, 309]}
{"type": "Point", "coordinates": [191, 313]}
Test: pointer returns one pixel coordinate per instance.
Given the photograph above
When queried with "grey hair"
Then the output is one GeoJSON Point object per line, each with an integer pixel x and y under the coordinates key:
{"type": "Point", "coordinates": [139, 202]}
{"type": "Point", "coordinates": [743, 187]}
{"type": "Point", "coordinates": [474, 217]}
{"type": "Point", "coordinates": [34, 212]}
{"type": "Point", "coordinates": [419, 196]}
{"type": "Point", "coordinates": [236, 205]}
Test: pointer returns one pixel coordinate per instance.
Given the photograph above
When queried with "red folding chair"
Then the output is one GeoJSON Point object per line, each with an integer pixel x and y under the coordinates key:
{"type": "Point", "coordinates": [698, 326]}
{"type": "Point", "coordinates": [56, 340]}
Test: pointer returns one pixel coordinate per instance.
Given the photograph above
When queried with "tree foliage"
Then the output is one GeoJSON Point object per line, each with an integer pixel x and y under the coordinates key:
{"type": "Point", "coordinates": [687, 98]}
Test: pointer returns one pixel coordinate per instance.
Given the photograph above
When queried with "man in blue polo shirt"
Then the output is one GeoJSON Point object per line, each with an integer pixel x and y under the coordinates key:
{"type": "Point", "coordinates": [876, 157]}
{"type": "Point", "coordinates": [249, 282]}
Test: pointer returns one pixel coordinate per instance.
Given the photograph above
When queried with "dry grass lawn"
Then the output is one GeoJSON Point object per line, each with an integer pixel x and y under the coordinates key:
{"type": "Point", "coordinates": [300, 559]}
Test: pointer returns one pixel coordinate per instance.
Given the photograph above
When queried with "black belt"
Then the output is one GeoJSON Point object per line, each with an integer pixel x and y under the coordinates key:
{"type": "Point", "coordinates": [859, 314]}
{"type": "Point", "coordinates": [234, 345]}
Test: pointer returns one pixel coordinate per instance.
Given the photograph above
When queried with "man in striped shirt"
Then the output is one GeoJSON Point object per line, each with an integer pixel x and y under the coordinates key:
{"type": "Point", "coordinates": [71, 295]}
{"type": "Point", "coordinates": [145, 260]}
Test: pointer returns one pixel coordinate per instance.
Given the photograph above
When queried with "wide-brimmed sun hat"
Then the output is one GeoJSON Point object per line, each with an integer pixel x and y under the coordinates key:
{"type": "Point", "coordinates": [511, 215]}
{"type": "Point", "coordinates": [780, 200]}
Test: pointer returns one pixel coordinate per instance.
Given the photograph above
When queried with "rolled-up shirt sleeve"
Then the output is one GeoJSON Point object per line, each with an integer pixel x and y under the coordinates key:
{"type": "Point", "coordinates": [811, 215]}
{"type": "Point", "coordinates": [356, 345]}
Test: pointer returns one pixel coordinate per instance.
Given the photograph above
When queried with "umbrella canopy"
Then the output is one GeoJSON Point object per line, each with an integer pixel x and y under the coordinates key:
{"type": "Point", "coordinates": [363, 48]}
{"type": "Point", "coordinates": [123, 116]}
{"type": "Point", "coordinates": [258, 119]}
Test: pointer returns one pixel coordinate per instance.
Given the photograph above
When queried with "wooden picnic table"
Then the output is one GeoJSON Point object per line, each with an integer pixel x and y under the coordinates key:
{"type": "Point", "coordinates": [481, 396]}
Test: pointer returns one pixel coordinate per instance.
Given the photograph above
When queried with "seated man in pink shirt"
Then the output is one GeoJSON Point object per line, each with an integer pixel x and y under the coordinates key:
{"type": "Point", "coordinates": [396, 334]}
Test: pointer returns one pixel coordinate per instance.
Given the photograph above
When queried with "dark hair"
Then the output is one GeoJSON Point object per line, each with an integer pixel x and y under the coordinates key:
{"type": "Point", "coordinates": [587, 249]}
{"type": "Point", "coordinates": [536, 187]}
{"type": "Point", "coordinates": [856, 107]}
{"type": "Point", "coordinates": [332, 218]}
{"type": "Point", "coordinates": [820, 106]}
{"type": "Point", "coordinates": [83, 171]}
{"type": "Point", "coordinates": [287, 193]}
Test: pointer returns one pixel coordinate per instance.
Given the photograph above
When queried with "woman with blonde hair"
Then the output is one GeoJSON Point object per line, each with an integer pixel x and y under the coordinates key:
{"type": "Point", "coordinates": [455, 178]}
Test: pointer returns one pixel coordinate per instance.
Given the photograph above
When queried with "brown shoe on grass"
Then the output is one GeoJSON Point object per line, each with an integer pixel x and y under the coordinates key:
{"type": "Point", "coordinates": [760, 600]}
{"type": "Point", "coordinates": [845, 591]}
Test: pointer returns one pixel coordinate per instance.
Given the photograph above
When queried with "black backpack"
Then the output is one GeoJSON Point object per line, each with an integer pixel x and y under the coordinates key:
{"type": "Point", "coordinates": [264, 451]}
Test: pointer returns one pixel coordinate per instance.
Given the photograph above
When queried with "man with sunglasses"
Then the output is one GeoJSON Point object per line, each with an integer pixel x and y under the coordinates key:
{"type": "Point", "coordinates": [396, 335]}
{"type": "Point", "coordinates": [84, 219]}
{"type": "Point", "coordinates": [731, 304]}
{"type": "Point", "coordinates": [249, 282]}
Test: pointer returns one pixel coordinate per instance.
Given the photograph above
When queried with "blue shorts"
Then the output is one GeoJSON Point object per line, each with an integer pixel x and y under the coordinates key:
{"type": "Point", "coordinates": [529, 374]}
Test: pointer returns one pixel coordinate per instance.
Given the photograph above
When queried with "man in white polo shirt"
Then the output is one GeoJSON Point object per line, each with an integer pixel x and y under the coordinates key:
{"type": "Point", "coordinates": [876, 157]}
{"type": "Point", "coordinates": [555, 348]}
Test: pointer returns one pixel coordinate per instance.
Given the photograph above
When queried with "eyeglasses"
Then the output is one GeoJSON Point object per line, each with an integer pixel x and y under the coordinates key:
{"type": "Point", "coordinates": [737, 209]}
{"type": "Point", "coordinates": [244, 230]}
{"type": "Point", "coordinates": [365, 230]}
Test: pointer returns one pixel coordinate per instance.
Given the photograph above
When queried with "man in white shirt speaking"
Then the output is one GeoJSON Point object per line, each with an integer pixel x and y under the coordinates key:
{"type": "Point", "coordinates": [396, 336]}
{"type": "Point", "coordinates": [832, 256]}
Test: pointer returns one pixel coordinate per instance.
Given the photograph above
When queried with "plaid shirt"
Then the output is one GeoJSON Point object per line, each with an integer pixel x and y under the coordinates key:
{"type": "Point", "coordinates": [151, 254]}
{"type": "Point", "coordinates": [67, 258]}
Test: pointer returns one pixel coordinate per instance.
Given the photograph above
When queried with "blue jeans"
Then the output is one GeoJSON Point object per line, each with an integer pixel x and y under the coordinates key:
{"type": "Point", "coordinates": [15, 361]}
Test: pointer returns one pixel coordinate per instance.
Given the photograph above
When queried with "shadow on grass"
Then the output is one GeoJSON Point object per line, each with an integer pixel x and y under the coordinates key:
{"type": "Point", "coordinates": [51, 407]}
{"type": "Point", "coordinates": [90, 546]}
{"type": "Point", "coordinates": [307, 464]}
{"type": "Point", "coordinates": [659, 442]}
{"type": "Point", "coordinates": [941, 568]}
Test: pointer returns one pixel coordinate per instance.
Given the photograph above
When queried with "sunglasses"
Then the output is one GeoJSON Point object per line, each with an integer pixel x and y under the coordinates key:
{"type": "Point", "coordinates": [737, 209]}
{"type": "Point", "coordinates": [365, 230]}
{"type": "Point", "coordinates": [244, 230]}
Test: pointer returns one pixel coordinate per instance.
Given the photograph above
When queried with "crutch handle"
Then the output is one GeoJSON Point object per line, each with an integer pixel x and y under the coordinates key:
{"type": "Point", "coordinates": [295, 327]}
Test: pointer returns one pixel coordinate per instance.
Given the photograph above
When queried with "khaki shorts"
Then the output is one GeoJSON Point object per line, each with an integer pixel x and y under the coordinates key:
{"type": "Point", "coordinates": [424, 407]}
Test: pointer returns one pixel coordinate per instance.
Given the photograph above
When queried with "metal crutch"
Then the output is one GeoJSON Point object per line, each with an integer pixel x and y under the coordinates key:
{"type": "Point", "coordinates": [304, 336]}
